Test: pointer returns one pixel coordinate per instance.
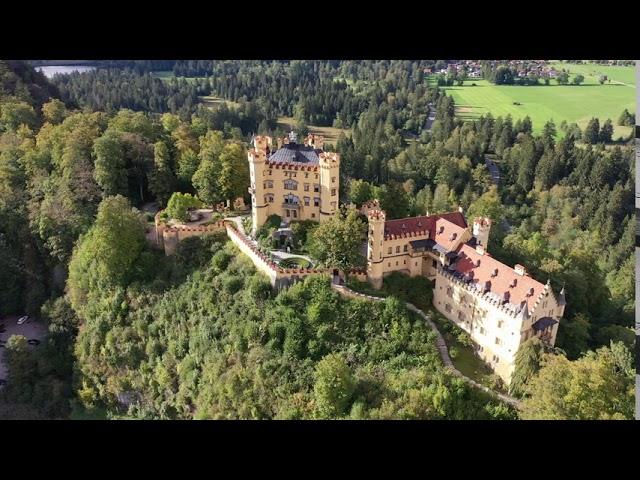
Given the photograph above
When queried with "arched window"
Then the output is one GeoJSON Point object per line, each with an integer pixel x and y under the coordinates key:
{"type": "Point", "coordinates": [290, 184]}
{"type": "Point", "coordinates": [291, 199]}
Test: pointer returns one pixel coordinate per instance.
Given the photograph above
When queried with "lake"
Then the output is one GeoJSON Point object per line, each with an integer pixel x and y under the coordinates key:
{"type": "Point", "coordinates": [50, 70]}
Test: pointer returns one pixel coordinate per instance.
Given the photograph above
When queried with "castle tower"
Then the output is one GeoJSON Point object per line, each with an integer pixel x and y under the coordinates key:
{"type": "Point", "coordinates": [329, 184]}
{"type": "Point", "coordinates": [481, 228]}
{"type": "Point", "coordinates": [375, 269]}
{"type": "Point", "coordinates": [257, 164]}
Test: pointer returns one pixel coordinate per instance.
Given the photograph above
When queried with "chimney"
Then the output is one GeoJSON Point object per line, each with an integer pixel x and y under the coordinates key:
{"type": "Point", "coordinates": [479, 249]}
{"type": "Point", "coordinates": [520, 270]}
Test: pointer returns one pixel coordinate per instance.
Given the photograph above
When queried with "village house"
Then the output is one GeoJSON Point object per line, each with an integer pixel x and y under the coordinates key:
{"type": "Point", "coordinates": [297, 181]}
{"type": "Point", "coordinates": [498, 306]}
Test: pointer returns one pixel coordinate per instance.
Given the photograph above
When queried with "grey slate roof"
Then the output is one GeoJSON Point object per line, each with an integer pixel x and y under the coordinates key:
{"type": "Point", "coordinates": [295, 152]}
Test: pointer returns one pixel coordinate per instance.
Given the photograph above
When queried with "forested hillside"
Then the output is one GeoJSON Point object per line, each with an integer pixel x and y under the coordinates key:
{"type": "Point", "coordinates": [200, 335]}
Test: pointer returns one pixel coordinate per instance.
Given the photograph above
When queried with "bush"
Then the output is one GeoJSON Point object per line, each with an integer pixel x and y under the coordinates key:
{"type": "Point", "coordinates": [179, 203]}
{"type": "Point", "coordinates": [464, 339]}
{"type": "Point", "coordinates": [220, 260]}
{"type": "Point", "coordinates": [271, 225]}
{"type": "Point", "coordinates": [232, 284]}
{"type": "Point", "coordinates": [453, 353]}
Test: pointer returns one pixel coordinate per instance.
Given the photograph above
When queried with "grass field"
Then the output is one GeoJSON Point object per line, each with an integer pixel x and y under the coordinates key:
{"type": "Point", "coordinates": [591, 72]}
{"type": "Point", "coordinates": [212, 101]}
{"type": "Point", "coordinates": [330, 134]}
{"type": "Point", "coordinates": [571, 103]}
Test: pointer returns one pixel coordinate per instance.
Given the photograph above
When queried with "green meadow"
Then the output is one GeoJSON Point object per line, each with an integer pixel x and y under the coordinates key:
{"type": "Point", "coordinates": [541, 103]}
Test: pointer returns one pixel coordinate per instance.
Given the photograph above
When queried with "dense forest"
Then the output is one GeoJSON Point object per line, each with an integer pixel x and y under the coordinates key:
{"type": "Point", "coordinates": [200, 334]}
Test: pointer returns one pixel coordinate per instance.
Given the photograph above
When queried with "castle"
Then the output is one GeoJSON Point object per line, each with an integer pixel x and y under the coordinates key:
{"type": "Point", "coordinates": [498, 306]}
{"type": "Point", "coordinates": [297, 181]}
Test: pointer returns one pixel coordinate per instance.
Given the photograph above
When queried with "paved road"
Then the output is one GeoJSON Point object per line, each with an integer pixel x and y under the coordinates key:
{"type": "Point", "coordinates": [431, 117]}
{"type": "Point", "coordinates": [494, 171]}
{"type": "Point", "coordinates": [33, 329]}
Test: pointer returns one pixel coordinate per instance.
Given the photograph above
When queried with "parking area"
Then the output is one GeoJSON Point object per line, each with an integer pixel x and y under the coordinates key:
{"type": "Point", "coordinates": [32, 329]}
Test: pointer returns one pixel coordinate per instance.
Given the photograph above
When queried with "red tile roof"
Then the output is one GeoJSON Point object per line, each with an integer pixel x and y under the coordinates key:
{"type": "Point", "coordinates": [503, 282]}
{"type": "Point", "coordinates": [452, 222]}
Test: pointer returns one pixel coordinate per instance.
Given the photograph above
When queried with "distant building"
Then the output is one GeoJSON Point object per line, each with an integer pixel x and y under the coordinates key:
{"type": "Point", "coordinates": [499, 306]}
{"type": "Point", "coordinates": [297, 181]}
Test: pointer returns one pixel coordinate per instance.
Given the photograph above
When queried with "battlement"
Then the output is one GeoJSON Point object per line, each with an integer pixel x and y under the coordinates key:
{"type": "Point", "coordinates": [482, 221]}
{"type": "Point", "coordinates": [377, 215]}
{"type": "Point", "coordinates": [329, 158]}
{"type": "Point", "coordinates": [477, 291]}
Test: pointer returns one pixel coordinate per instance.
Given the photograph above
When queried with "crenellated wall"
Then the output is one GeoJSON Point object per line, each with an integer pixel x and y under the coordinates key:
{"type": "Point", "coordinates": [169, 237]}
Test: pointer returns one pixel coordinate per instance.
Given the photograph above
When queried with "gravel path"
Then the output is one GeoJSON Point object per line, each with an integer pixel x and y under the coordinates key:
{"type": "Point", "coordinates": [440, 344]}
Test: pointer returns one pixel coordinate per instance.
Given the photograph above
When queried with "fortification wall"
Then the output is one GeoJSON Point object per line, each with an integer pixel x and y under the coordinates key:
{"type": "Point", "coordinates": [169, 237]}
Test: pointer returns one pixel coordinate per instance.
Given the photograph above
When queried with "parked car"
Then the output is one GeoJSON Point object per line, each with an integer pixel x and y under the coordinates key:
{"type": "Point", "coordinates": [33, 341]}
{"type": "Point", "coordinates": [23, 319]}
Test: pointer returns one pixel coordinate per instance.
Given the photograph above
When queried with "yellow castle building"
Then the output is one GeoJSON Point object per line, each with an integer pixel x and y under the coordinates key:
{"type": "Point", "coordinates": [297, 181]}
{"type": "Point", "coordinates": [498, 306]}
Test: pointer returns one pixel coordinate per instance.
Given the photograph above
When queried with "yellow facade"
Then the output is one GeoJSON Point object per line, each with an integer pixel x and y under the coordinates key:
{"type": "Point", "coordinates": [294, 190]}
{"type": "Point", "coordinates": [496, 332]}
{"type": "Point", "coordinates": [496, 326]}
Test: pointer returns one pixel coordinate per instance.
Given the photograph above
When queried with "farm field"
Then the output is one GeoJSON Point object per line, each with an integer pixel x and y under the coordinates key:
{"type": "Point", "coordinates": [571, 103]}
{"type": "Point", "coordinates": [591, 72]}
{"type": "Point", "coordinates": [330, 134]}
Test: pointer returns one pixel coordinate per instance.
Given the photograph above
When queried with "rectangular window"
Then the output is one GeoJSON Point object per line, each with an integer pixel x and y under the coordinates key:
{"type": "Point", "coordinates": [306, 175]}
{"type": "Point", "coordinates": [406, 248]}
{"type": "Point", "coordinates": [288, 213]}
{"type": "Point", "coordinates": [390, 251]}
{"type": "Point", "coordinates": [333, 204]}
{"type": "Point", "coordinates": [333, 179]}
{"type": "Point", "coordinates": [316, 202]}
{"type": "Point", "coordinates": [434, 263]}
{"type": "Point", "coordinates": [497, 341]}
{"type": "Point", "coordinates": [306, 187]}
{"type": "Point", "coordinates": [333, 192]}
{"type": "Point", "coordinates": [306, 201]}
{"type": "Point", "coordinates": [316, 187]}
{"type": "Point", "coordinates": [447, 308]}
{"type": "Point", "coordinates": [500, 322]}
{"type": "Point", "coordinates": [450, 292]}
{"type": "Point", "coordinates": [316, 176]}
{"type": "Point", "coordinates": [295, 214]}
{"type": "Point", "coordinates": [398, 249]}
{"type": "Point", "coordinates": [482, 331]}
